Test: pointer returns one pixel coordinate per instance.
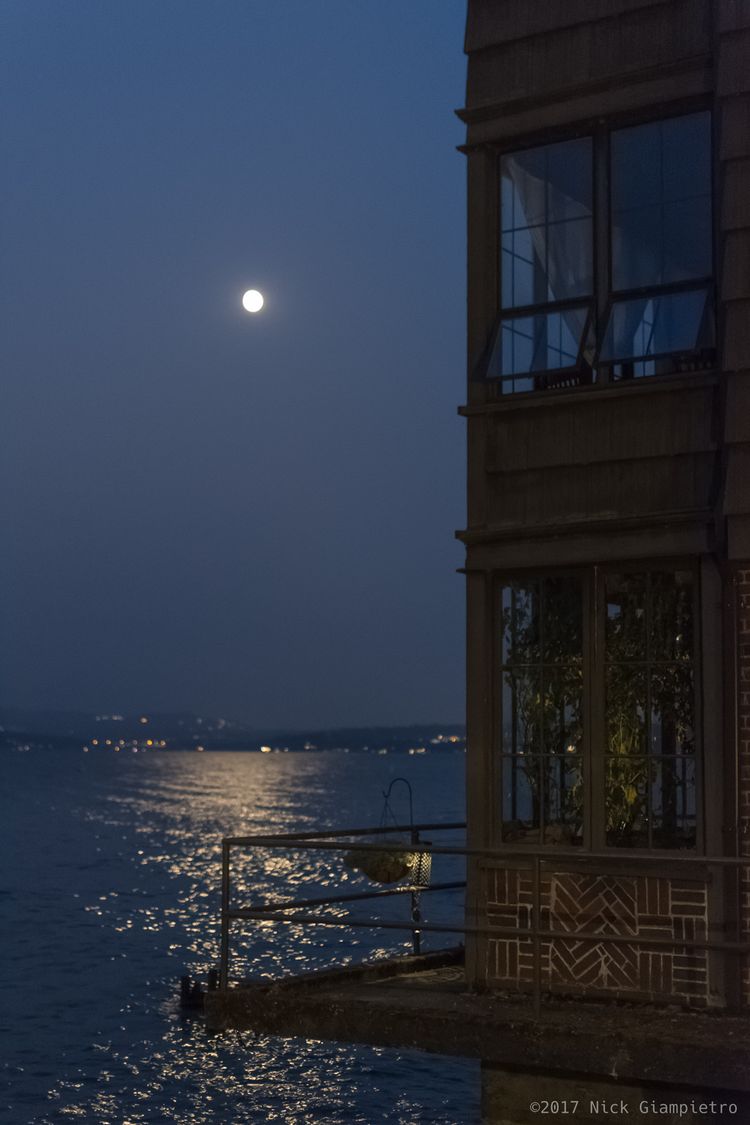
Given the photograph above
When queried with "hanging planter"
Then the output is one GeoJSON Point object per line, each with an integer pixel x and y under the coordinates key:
{"type": "Point", "coordinates": [381, 866]}
{"type": "Point", "coordinates": [389, 865]}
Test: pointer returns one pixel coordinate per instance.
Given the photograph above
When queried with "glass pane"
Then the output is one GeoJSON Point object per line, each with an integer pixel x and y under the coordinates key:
{"type": "Point", "coordinates": [626, 710]}
{"type": "Point", "coordinates": [546, 341]}
{"type": "Point", "coordinates": [563, 619]}
{"type": "Point", "coordinates": [663, 246]}
{"type": "Point", "coordinates": [663, 324]}
{"type": "Point", "coordinates": [563, 799]}
{"type": "Point", "coordinates": [569, 260]}
{"type": "Point", "coordinates": [563, 726]}
{"type": "Point", "coordinates": [636, 165]}
{"type": "Point", "coordinates": [560, 339]}
{"type": "Point", "coordinates": [673, 803]}
{"type": "Point", "coordinates": [514, 348]}
{"type": "Point", "coordinates": [520, 265]}
{"type": "Point", "coordinates": [627, 802]}
{"type": "Point", "coordinates": [521, 733]}
{"type": "Point", "coordinates": [671, 615]}
{"type": "Point", "coordinates": [524, 194]}
{"type": "Point", "coordinates": [635, 235]}
{"type": "Point", "coordinates": [686, 164]}
{"type": "Point", "coordinates": [626, 617]}
{"type": "Point", "coordinates": [520, 625]}
{"type": "Point", "coordinates": [546, 204]}
{"type": "Point", "coordinates": [661, 202]}
{"type": "Point", "coordinates": [546, 184]}
{"type": "Point", "coordinates": [688, 242]}
{"type": "Point", "coordinates": [672, 710]}
{"type": "Point", "coordinates": [521, 802]}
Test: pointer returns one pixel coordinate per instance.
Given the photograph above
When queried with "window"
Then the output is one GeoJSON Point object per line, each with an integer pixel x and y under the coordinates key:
{"type": "Point", "coordinates": [648, 307]}
{"type": "Point", "coordinates": [649, 706]}
{"type": "Point", "coordinates": [547, 263]}
{"type": "Point", "coordinates": [597, 697]}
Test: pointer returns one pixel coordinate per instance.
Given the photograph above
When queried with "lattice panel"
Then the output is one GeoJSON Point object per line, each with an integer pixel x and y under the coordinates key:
{"type": "Point", "coordinates": [622, 906]}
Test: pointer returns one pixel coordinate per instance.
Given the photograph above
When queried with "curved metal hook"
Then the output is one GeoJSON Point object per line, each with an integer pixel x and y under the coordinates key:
{"type": "Point", "coordinates": [387, 794]}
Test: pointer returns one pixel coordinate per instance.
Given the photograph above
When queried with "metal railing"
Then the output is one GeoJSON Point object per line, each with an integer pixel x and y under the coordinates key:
{"type": "Point", "coordinates": [518, 857]}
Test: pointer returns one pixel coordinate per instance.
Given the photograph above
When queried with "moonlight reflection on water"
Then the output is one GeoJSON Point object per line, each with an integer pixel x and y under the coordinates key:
{"type": "Point", "coordinates": [114, 895]}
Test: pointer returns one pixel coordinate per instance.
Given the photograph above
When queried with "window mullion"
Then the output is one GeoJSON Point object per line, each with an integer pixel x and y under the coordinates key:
{"type": "Point", "coordinates": [595, 679]}
{"type": "Point", "coordinates": [602, 239]}
{"type": "Point", "coordinates": [650, 766]}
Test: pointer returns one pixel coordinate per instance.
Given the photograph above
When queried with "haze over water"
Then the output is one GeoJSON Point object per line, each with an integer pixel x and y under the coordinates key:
{"type": "Point", "coordinates": [111, 893]}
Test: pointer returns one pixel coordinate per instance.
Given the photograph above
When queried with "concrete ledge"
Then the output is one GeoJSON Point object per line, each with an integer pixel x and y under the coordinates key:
{"type": "Point", "coordinates": [418, 1003]}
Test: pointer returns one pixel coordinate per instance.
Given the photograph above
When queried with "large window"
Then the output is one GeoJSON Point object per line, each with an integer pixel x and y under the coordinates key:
{"type": "Point", "coordinates": [640, 305]}
{"type": "Point", "coordinates": [547, 273]}
{"type": "Point", "coordinates": [597, 708]}
{"type": "Point", "coordinates": [541, 703]}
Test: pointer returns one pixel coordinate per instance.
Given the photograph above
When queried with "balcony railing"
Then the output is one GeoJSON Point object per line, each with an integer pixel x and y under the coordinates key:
{"type": "Point", "coordinates": [537, 859]}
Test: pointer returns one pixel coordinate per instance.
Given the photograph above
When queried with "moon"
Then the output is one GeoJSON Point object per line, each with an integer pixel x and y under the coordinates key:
{"type": "Point", "coordinates": [252, 300]}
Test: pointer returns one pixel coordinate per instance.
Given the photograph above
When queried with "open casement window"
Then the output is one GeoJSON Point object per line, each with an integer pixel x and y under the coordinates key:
{"type": "Point", "coordinates": [648, 308]}
{"type": "Point", "coordinates": [596, 708]}
{"type": "Point", "coordinates": [546, 256]}
{"type": "Point", "coordinates": [660, 313]}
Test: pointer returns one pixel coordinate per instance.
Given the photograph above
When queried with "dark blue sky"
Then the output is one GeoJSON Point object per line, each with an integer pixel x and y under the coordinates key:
{"type": "Point", "coordinates": [249, 516]}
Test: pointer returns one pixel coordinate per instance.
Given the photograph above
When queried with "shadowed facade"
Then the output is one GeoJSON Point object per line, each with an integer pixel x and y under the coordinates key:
{"type": "Point", "coordinates": [608, 531]}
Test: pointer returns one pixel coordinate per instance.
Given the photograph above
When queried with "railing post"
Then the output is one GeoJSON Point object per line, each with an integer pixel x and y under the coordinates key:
{"type": "Point", "coordinates": [416, 914]}
{"type": "Point", "coordinates": [225, 891]}
{"type": "Point", "coordinates": [536, 919]}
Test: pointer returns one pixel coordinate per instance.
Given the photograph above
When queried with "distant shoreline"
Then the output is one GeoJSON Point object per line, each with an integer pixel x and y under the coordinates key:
{"type": "Point", "coordinates": [26, 731]}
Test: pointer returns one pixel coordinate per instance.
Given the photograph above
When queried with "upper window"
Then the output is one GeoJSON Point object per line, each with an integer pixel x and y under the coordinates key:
{"type": "Point", "coordinates": [547, 261]}
{"type": "Point", "coordinates": [648, 309]}
{"type": "Point", "coordinates": [547, 227]}
{"type": "Point", "coordinates": [661, 202]}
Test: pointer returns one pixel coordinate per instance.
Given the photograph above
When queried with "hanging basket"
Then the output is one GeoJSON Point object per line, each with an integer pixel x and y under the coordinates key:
{"type": "Point", "coordinates": [382, 866]}
{"type": "Point", "coordinates": [391, 864]}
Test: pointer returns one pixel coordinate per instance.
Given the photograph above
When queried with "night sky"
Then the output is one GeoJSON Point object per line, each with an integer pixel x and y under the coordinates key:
{"type": "Point", "coordinates": [242, 516]}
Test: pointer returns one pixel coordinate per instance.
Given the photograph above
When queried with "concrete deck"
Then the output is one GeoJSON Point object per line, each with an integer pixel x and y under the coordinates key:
{"type": "Point", "coordinates": [423, 1003]}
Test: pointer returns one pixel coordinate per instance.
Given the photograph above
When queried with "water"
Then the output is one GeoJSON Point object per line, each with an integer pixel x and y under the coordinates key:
{"type": "Point", "coordinates": [109, 893]}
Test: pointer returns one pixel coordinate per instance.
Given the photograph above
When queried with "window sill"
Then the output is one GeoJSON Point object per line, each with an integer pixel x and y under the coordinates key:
{"type": "Point", "coordinates": [678, 864]}
{"type": "Point", "coordinates": [528, 400]}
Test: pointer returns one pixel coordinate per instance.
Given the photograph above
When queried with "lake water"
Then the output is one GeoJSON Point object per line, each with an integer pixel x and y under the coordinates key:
{"type": "Point", "coordinates": [109, 892]}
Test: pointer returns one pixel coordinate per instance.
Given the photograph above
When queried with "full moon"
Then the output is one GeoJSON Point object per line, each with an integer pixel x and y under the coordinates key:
{"type": "Point", "coordinates": [252, 300]}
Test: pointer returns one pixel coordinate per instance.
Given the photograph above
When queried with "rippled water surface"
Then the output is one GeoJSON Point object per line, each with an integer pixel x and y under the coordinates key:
{"type": "Point", "coordinates": [109, 893]}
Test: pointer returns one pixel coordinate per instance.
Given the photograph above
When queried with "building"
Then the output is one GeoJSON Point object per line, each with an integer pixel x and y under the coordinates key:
{"type": "Point", "coordinates": [608, 537]}
{"type": "Point", "coordinates": [607, 565]}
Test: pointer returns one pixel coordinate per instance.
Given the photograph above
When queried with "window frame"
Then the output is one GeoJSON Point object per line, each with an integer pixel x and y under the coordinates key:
{"type": "Point", "coordinates": [593, 704]}
{"type": "Point", "coordinates": [499, 579]}
{"type": "Point", "coordinates": [554, 376]}
{"type": "Point", "coordinates": [642, 293]}
{"type": "Point", "coordinates": [585, 375]}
